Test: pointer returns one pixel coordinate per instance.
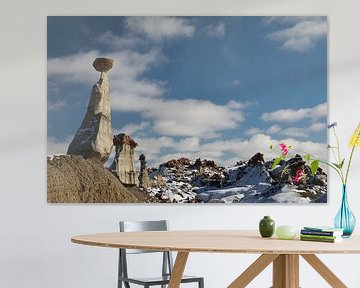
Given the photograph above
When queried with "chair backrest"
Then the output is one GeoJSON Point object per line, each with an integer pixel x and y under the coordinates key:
{"type": "Point", "coordinates": [134, 226]}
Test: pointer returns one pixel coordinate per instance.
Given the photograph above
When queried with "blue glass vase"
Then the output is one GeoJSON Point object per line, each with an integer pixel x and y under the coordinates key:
{"type": "Point", "coordinates": [345, 219]}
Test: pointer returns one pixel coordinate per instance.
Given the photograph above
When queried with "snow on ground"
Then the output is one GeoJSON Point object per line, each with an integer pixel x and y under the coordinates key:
{"type": "Point", "coordinates": [226, 195]}
{"type": "Point", "coordinates": [289, 194]}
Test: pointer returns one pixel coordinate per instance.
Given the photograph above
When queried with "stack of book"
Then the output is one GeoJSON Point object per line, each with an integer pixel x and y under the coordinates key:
{"type": "Point", "coordinates": [321, 234]}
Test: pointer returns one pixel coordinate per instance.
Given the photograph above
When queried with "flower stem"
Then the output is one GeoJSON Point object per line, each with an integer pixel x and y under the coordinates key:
{"type": "Point", "coordinates": [334, 154]}
{"type": "Point", "coordinates": [339, 161]}
{"type": "Point", "coordinates": [348, 167]}
{"type": "Point", "coordinates": [338, 145]}
{"type": "Point", "coordinates": [350, 159]}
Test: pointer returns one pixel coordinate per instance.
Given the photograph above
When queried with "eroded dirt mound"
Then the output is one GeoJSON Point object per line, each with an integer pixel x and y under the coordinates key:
{"type": "Point", "coordinates": [73, 179]}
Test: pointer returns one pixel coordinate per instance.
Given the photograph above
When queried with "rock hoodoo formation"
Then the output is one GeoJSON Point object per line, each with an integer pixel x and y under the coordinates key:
{"type": "Point", "coordinates": [144, 180]}
{"type": "Point", "coordinates": [123, 163]}
{"type": "Point", "coordinates": [94, 137]}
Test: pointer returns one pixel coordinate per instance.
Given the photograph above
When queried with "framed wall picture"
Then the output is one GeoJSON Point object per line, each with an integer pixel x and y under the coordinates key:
{"type": "Point", "coordinates": [187, 109]}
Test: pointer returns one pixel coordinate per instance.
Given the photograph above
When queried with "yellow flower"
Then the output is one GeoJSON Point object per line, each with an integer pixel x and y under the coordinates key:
{"type": "Point", "coordinates": [355, 137]}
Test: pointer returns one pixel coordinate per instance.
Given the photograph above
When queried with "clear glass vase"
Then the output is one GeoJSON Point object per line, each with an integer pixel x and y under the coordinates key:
{"type": "Point", "coordinates": [345, 219]}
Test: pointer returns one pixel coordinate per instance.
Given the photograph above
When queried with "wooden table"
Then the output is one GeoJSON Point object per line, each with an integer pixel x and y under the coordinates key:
{"type": "Point", "coordinates": [284, 254]}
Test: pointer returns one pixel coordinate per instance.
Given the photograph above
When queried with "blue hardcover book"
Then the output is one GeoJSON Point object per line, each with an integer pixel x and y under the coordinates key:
{"type": "Point", "coordinates": [322, 231]}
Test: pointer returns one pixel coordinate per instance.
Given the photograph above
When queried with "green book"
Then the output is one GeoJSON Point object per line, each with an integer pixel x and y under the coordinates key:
{"type": "Point", "coordinates": [325, 240]}
{"type": "Point", "coordinates": [319, 236]}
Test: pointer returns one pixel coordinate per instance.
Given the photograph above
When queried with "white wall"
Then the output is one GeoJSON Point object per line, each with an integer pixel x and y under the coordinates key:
{"type": "Point", "coordinates": [35, 248]}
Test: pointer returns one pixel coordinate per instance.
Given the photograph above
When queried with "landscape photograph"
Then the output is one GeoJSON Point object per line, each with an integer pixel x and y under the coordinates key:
{"type": "Point", "coordinates": [170, 109]}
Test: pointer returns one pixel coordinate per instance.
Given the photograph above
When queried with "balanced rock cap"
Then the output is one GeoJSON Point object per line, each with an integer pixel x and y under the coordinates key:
{"type": "Point", "coordinates": [103, 64]}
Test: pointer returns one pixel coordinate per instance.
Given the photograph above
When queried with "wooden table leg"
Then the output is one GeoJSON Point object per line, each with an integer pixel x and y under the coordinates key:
{"type": "Point", "coordinates": [253, 270]}
{"type": "Point", "coordinates": [324, 271]}
{"type": "Point", "coordinates": [286, 271]}
{"type": "Point", "coordinates": [178, 270]}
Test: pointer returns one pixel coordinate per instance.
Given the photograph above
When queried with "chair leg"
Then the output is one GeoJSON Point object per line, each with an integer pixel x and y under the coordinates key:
{"type": "Point", "coordinates": [201, 283]}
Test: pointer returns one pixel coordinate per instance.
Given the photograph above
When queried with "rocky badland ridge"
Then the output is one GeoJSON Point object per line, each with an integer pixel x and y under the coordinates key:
{"type": "Point", "coordinates": [251, 181]}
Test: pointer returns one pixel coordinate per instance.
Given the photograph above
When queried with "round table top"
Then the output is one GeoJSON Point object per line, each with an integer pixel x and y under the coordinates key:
{"type": "Point", "coordinates": [217, 241]}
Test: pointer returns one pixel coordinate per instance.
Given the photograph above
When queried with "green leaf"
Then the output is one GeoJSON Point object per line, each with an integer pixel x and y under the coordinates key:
{"type": "Point", "coordinates": [314, 166]}
{"type": "Point", "coordinates": [271, 146]}
{"type": "Point", "coordinates": [307, 158]}
{"type": "Point", "coordinates": [336, 165]}
{"type": "Point", "coordinates": [342, 164]}
{"type": "Point", "coordinates": [276, 161]}
{"type": "Point", "coordinates": [339, 166]}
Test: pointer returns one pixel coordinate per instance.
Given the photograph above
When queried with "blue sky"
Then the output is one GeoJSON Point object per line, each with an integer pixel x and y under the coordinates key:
{"type": "Point", "coordinates": [220, 88]}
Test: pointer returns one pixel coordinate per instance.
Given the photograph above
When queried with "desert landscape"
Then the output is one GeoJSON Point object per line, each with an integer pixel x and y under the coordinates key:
{"type": "Point", "coordinates": [81, 176]}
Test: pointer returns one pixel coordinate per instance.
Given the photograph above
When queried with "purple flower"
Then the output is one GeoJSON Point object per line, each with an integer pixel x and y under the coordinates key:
{"type": "Point", "coordinates": [332, 125]}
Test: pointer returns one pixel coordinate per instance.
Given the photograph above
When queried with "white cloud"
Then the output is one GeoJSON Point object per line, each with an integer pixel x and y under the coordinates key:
{"type": "Point", "coordinates": [189, 144]}
{"type": "Point", "coordinates": [254, 131]}
{"type": "Point", "coordinates": [293, 115]}
{"type": "Point", "coordinates": [159, 28]}
{"type": "Point", "coordinates": [318, 126]}
{"type": "Point", "coordinates": [217, 30]}
{"type": "Point", "coordinates": [116, 42]}
{"type": "Point", "coordinates": [290, 19]}
{"type": "Point", "coordinates": [236, 82]}
{"type": "Point", "coordinates": [186, 117]}
{"type": "Point", "coordinates": [73, 68]}
{"type": "Point", "coordinates": [224, 152]}
{"type": "Point", "coordinates": [56, 105]}
{"type": "Point", "coordinates": [54, 101]}
{"type": "Point", "coordinates": [297, 132]}
{"type": "Point", "coordinates": [154, 145]}
{"type": "Point", "coordinates": [131, 93]}
{"type": "Point", "coordinates": [191, 117]}
{"type": "Point", "coordinates": [302, 35]}
{"type": "Point", "coordinates": [303, 132]}
{"type": "Point", "coordinates": [128, 66]}
{"type": "Point", "coordinates": [131, 129]}
{"type": "Point", "coordinates": [55, 147]}
{"type": "Point", "coordinates": [274, 129]}
{"type": "Point", "coordinates": [125, 76]}
{"type": "Point", "coordinates": [236, 105]}
{"type": "Point", "coordinates": [240, 105]}
{"type": "Point", "coordinates": [131, 87]}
